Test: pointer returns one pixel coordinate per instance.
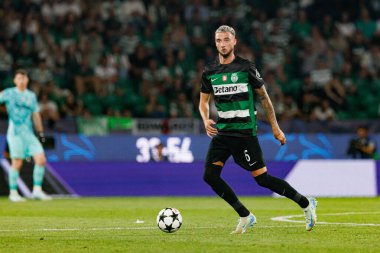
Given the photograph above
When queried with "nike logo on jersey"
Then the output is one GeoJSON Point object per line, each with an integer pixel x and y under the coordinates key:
{"type": "Point", "coordinates": [250, 164]}
{"type": "Point", "coordinates": [213, 79]}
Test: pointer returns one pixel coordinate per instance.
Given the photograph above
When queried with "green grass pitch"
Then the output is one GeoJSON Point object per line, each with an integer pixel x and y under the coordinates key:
{"type": "Point", "coordinates": [109, 225]}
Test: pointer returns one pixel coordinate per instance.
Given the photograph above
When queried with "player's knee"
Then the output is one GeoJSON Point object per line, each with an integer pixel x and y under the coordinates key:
{"type": "Point", "coordinates": [40, 160]}
{"type": "Point", "coordinates": [208, 176]}
{"type": "Point", "coordinates": [262, 180]}
{"type": "Point", "coordinates": [212, 174]}
{"type": "Point", "coordinates": [17, 164]}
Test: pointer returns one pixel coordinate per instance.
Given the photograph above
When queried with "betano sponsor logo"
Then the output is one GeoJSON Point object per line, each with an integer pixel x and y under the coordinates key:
{"type": "Point", "coordinates": [225, 89]}
{"type": "Point", "coordinates": [230, 89]}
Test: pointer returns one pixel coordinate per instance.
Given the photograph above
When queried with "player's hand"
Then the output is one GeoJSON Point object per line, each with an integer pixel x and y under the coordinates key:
{"type": "Point", "coordinates": [210, 129]}
{"type": "Point", "coordinates": [280, 136]}
{"type": "Point", "coordinates": [41, 137]}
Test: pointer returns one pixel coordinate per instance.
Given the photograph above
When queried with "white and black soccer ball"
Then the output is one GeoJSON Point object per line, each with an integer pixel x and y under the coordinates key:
{"type": "Point", "coordinates": [169, 220]}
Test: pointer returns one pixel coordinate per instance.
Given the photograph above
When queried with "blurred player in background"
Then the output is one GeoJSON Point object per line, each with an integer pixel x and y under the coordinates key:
{"type": "Point", "coordinates": [362, 147]}
{"type": "Point", "coordinates": [22, 108]}
{"type": "Point", "coordinates": [233, 81]}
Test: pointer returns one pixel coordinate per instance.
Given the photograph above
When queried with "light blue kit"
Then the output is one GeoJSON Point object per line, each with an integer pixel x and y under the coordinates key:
{"type": "Point", "coordinates": [20, 136]}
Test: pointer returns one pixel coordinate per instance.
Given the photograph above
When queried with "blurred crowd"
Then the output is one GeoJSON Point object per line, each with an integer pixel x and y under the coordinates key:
{"type": "Point", "coordinates": [135, 58]}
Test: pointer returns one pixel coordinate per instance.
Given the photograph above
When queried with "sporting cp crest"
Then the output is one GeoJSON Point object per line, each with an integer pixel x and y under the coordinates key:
{"type": "Point", "coordinates": [234, 77]}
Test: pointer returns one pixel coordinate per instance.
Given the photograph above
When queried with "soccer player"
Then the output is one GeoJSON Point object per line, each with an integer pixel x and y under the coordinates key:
{"type": "Point", "coordinates": [22, 108]}
{"type": "Point", "coordinates": [362, 146]}
{"type": "Point", "coordinates": [234, 81]}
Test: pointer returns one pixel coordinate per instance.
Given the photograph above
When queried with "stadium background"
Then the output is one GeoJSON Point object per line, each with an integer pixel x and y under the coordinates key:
{"type": "Point", "coordinates": [118, 82]}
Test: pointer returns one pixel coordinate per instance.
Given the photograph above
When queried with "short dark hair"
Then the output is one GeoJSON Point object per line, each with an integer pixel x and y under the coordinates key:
{"type": "Point", "coordinates": [364, 127]}
{"type": "Point", "coordinates": [21, 71]}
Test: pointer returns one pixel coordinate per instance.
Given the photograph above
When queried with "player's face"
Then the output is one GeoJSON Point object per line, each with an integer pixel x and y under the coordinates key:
{"type": "Point", "coordinates": [21, 81]}
{"type": "Point", "coordinates": [362, 133]}
{"type": "Point", "coordinates": [225, 43]}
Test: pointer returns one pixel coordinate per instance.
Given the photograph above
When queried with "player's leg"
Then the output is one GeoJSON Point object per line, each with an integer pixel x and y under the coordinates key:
{"type": "Point", "coordinates": [250, 157]}
{"type": "Point", "coordinates": [14, 174]}
{"type": "Point", "coordinates": [36, 150]}
{"type": "Point", "coordinates": [283, 188]}
{"type": "Point", "coordinates": [279, 186]}
{"type": "Point", "coordinates": [16, 152]}
{"type": "Point", "coordinates": [217, 155]}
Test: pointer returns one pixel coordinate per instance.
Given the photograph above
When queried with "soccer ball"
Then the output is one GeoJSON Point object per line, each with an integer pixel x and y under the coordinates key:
{"type": "Point", "coordinates": [169, 220]}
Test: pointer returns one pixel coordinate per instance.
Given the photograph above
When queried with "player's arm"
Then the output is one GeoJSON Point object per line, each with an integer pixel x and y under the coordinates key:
{"type": "Point", "coordinates": [2, 96]}
{"type": "Point", "coordinates": [369, 149]}
{"type": "Point", "coordinates": [204, 109]}
{"type": "Point", "coordinates": [37, 120]}
{"type": "Point", "coordinates": [38, 126]}
{"type": "Point", "coordinates": [257, 83]}
{"type": "Point", "coordinates": [204, 105]}
{"type": "Point", "coordinates": [271, 116]}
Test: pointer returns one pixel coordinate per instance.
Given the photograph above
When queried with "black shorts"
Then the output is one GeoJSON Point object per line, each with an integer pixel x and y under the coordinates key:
{"type": "Point", "coordinates": [246, 151]}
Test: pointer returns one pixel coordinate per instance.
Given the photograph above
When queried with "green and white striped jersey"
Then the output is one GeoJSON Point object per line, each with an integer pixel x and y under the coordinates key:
{"type": "Point", "coordinates": [233, 88]}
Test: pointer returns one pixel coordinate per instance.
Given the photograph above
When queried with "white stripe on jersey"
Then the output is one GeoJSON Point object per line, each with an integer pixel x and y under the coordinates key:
{"type": "Point", "coordinates": [233, 114]}
{"type": "Point", "coordinates": [228, 89]}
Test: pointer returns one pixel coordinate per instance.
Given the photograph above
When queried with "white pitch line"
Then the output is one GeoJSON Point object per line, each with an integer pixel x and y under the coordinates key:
{"type": "Point", "coordinates": [289, 218]}
{"type": "Point", "coordinates": [280, 218]}
{"type": "Point", "coordinates": [125, 228]}
{"type": "Point", "coordinates": [74, 229]}
{"type": "Point", "coordinates": [348, 213]}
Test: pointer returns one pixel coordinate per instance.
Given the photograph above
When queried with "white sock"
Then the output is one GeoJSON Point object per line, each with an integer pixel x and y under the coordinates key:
{"type": "Point", "coordinates": [37, 188]}
{"type": "Point", "coordinates": [13, 192]}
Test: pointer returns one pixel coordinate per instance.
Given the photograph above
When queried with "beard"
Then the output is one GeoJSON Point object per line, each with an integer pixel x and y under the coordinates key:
{"type": "Point", "coordinates": [226, 55]}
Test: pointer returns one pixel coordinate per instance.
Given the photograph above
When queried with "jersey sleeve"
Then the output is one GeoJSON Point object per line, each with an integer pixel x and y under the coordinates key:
{"type": "Point", "coordinates": [3, 96]}
{"type": "Point", "coordinates": [206, 86]}
{"type": "Point", "coordinates": [35, 106]}
{"type": "Point", "coordinates": [254, 77]}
